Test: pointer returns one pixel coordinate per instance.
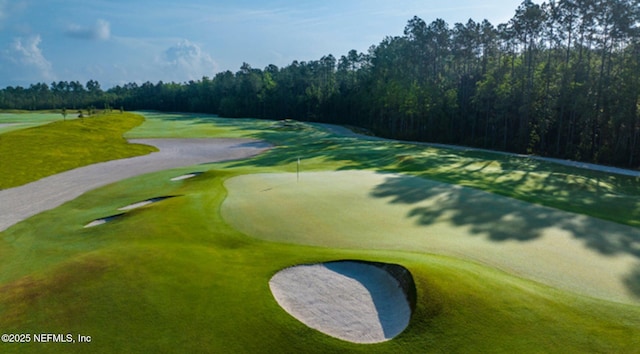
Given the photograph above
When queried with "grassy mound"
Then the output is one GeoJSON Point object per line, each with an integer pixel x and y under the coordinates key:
{"type": "Point", "coordinates": [33, 153]}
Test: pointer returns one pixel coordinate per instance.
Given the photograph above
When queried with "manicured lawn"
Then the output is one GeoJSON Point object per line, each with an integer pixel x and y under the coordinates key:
{"type": "Point", "coordinates": [44, 150]}
{"type": "Point", "coordinates": [184, 125]}
{"type": "Point", "coordinates": [603, 195]}
{"type": "Point", "coordinates": [10, 120]}
{"type": "Point", "coordinates": [176, 276]}
{"type": "Point", "coordinates": [384, 211]}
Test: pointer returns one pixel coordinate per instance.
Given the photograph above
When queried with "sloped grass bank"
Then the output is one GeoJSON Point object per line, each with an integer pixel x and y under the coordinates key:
{"type": "Point", "coordinates": [33, 153]}
{"type": "Point", "coordinates": [175, 276]}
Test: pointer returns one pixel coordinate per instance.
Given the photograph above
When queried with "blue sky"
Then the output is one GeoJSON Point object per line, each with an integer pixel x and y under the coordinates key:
{"type": "Point", "coordinates": [120, 41]}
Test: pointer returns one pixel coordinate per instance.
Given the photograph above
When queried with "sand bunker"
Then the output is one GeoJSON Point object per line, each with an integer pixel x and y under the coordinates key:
{"type": "Point", "coordinates": [103, 221]}
{"type": "Point", "coordinates": [107, 219]}
{"type": "Point", "coordinates": [144, 202]}
{"type": "Point", "coordinates": [186, 176]}
{"type": "Point", "coordinates": [359, 302]}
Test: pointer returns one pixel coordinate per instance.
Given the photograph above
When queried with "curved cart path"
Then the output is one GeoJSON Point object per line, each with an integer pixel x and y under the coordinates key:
{"type": "Point", "coordinates": [19, 203]}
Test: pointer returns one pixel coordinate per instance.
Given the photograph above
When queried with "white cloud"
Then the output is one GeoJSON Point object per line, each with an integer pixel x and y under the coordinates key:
{"type": "Point", "coordinates": [25, 53]}
{"type": "Point", "coordinates": [100, 31]}
{"type": "Point", "coordinates": [187, 61]}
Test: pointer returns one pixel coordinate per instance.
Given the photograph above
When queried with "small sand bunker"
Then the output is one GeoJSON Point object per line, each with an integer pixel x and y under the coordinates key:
{"type": "Point", "coordinates": [186, 176]}
{"type": "Point", "coordinates": [144, 202]}
{"type": "Point", "coordinates": [359, 302]}
{"type": "Point", "coordinates": [102, 221]}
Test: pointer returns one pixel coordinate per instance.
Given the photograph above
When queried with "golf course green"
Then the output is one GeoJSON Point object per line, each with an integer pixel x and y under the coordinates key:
{"type": "Point", "coordinates": [508, 254]}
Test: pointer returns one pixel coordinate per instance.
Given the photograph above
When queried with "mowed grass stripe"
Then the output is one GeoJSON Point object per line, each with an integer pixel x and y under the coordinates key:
{"type": "Point", "coordinates": [33, 153]}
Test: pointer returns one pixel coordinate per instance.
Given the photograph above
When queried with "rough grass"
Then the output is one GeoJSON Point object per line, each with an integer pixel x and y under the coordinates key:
{"type": "Point", "coordinates": [33, 153]}
{"type": "Point", "coordinates": [175, 276]}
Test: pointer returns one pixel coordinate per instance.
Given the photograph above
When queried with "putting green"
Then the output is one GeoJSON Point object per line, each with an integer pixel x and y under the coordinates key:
{"type": "Point", "coordinates": [368, 210]}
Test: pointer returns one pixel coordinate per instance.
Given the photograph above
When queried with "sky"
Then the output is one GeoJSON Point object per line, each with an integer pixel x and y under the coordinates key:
{"type": "Point", "coordinates": [121, 41]}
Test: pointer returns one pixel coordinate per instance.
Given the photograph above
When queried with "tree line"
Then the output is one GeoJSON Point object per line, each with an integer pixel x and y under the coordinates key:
{"type": "Point", "coordinates": [560, 79]}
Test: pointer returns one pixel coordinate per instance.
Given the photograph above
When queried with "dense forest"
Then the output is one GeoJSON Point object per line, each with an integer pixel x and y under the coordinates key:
{"type": "Point", "coordinates": [560, 79]}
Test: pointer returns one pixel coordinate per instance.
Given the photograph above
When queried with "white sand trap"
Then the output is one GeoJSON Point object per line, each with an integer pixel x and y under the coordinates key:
{"type": "Point", "coordinates": [136, 205]}
{"type": "Point", "coordinates": [353, 301]}
{"type": "Point", "coordinates": [102, 221]}
{"type": "Point", "coordinates": [143, 203]}
{"type": "Point", "coordinates": [186, 176]}
{"type": "Point", "coordinates": [96, 223]}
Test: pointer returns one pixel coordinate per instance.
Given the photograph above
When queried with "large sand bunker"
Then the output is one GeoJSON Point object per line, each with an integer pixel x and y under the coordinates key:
{"type": "Point", "coordinates": [355, 301]}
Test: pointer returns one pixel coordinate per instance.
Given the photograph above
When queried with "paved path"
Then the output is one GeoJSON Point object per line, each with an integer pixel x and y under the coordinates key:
{"type": "Point", "coordinates": [19, 203]}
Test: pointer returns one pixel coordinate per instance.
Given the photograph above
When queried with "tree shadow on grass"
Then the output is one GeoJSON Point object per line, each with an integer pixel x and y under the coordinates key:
{"type": "Point", "coordinates": [632, 281]}
{"type": "Point", "coordinates": [505, 219]}
{"type": "Point", "coordinates": [594, 193]}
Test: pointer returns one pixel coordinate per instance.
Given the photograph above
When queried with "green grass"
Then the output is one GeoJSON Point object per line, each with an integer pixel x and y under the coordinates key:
{"type": "Point", "coordinates": [184, 125]}
{"type": "Point", "coordinates": [37, 152]}
{"type": "Point", "coordinates": [175, 276]}
{"type": "Point", "coordinates": [16, 120]}
{"type": "Point", "coordinates": [599, 194]}
{"type": "Point", "coordinates": [365, 210]}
